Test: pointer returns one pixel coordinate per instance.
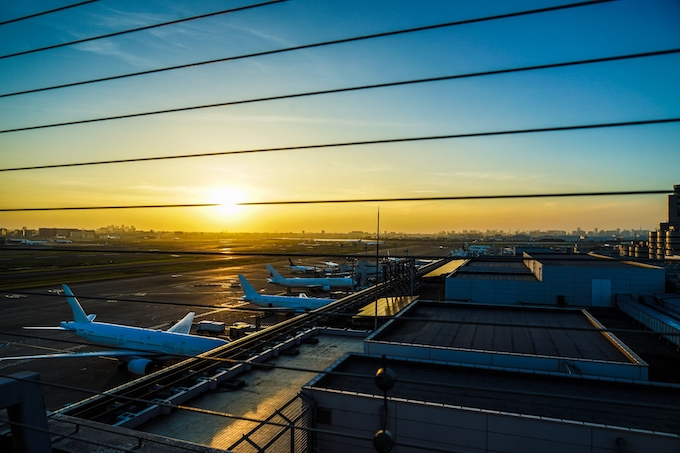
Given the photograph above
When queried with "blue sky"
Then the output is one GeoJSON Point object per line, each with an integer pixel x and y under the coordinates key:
{"type": "Point", "coordinates": [634, 158]}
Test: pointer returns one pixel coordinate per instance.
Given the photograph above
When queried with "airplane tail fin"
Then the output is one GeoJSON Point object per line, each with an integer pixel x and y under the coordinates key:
{"type": "Point", "coordinates": [183, 325]}
{"type": "Point", "coordinates": [291, 261]}
{"type": "Point", "coordinates": [78, 312]}
{"type": "Point", "coordinates": [248, 290]}
{"type": "Point", "coordinates": [275, 276]}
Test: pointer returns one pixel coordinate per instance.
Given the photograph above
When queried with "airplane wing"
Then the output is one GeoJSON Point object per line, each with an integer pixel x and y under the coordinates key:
{"type": "Point", "coordinates": [271, 309]}
{"type": "Point", "coordinates": [184, 325]}
{"type": "Point", "coordinates": [71, 355]}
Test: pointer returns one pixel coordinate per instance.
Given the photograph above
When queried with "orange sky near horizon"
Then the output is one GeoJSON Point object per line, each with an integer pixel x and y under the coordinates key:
{"type": "Point", "coordinates": [593, 160]}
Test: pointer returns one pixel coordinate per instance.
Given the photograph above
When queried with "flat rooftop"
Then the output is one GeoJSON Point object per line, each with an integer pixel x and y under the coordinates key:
{"type": "Point", "coordinates": [263, 394]}
{"type": "Point", "coordinates": [385, 307]}
{"type": "Point", "coordinates": [571, 260]}
{"type": "Point", "coordinates": [520, 330]}
{"type": "Point", "coordinates": [537, 339]}
{"type": "Point", "coordinates": [507, 269]}
{"type": "Point", "coordinates": [445, 269]}
{"type": "Point", "coordinates": [514, 268]}
{"type": "Point", "coordinates": [606, 402]}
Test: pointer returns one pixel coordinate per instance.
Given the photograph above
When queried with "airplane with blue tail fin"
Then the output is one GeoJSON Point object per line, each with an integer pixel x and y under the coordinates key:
{"type": "Point", "coordinates": [138, 347]}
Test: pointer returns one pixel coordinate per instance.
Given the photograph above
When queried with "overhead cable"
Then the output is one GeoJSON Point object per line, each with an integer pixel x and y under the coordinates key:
{"type": "Point", "coordinates": [85, 208]}
{"type": "Point", "coordinates": [304, 46]}
{"type": "Point", "coordinates": [360, 143]}
{"type": "Point", "coordinates": [43, 13]}
{"type": "Point", "coordinates": [331, 91]}
{"type": "Point", "coordinates": [450, 198]}
{"type": "Point", "coordinates": [358, 200]}
{"type": "Point", "coordinates": [326, 372]}
{"type": "Point", "coordinates": [589, 329]}
{"type": "Point", "coordinates": [72, 436]}
{"type": "Point", "coordinates": [146, 27]}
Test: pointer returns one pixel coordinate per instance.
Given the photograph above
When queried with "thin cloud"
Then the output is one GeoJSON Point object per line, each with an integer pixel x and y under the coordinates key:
{"type": "Point", "coordinates": [111, 49]}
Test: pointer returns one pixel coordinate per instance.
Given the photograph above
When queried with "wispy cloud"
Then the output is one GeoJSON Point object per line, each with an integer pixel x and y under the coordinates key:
{"type": "Point", "coordinates": [112, 49]}
{"type": "Point", "coordinates": [260, 34]}
{"type": "Point", "coordinates": [490, 176]}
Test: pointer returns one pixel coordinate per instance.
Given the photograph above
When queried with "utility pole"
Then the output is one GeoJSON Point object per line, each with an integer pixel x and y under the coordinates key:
{"type": "Point", "coordinates": [377, 269]}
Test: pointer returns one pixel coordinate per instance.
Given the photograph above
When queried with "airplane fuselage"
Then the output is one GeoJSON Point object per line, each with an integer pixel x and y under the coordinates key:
{"type": "Point", "coordinates": [321, 282]}
{"type": "Point", "coordinates": [289, 302]}
{"type": "Point", "coordinates": [304, 269]}
{"type": "Point", "coordinates": [143, 340]}
{"type": "Point", "coordinates": [312, 283]}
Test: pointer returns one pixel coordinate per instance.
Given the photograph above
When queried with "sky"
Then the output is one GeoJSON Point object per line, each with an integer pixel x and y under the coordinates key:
{"type": "Point", "coordinates": [632, 158]}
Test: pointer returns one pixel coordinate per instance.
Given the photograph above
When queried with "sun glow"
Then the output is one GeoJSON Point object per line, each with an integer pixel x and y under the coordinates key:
{"type": "Point", "coordinates": [228, 199]}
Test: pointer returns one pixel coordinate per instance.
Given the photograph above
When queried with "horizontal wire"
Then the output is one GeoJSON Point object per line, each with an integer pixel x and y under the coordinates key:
{"type": "Point", "coordinates": [310, 93]}
{"type": "Point", "coordinates": [269, 366]}
{"type": "Point", "coordinates": [304, 46]}
{"type": "Point", "coordinates": [448, 198]}
{"type": "Point", "coordinates": [84, 208]}
{"type": "Point", "coordinates": [43, 13]}
{"type": "Point", "coordinates": [360, 143]}
{"type": "Point", "coordinates": [589, 329]}
{"type": "Point", "coordinates": [362, 200]}
{"type": "Point", "coordinates": [147, 27]}
{"type": "Point", "coordinates": [72, 435]}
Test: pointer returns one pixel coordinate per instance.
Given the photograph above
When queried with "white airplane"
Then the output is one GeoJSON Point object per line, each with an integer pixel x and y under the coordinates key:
{"type": "Point", "coordinates": [312, 283]}
{"type": "Point", "coordinates": [295, 268]}
{"type": "Point", "coordinates": [137, 346]}
{"type": "Point", "coordinates": [374, 243]}
{"type": "Point", "coordinates": [280, 303]}
{"type": "Point", "coordinates": [27, 241]}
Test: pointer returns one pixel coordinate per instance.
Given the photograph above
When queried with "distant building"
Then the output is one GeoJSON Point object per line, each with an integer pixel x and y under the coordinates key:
{"type": "Point", "coordinates": [494, 379]}
{"type": "Point", "coordinates": [664, 243]}
{"type": "Point", "coordinates": [552, 279]}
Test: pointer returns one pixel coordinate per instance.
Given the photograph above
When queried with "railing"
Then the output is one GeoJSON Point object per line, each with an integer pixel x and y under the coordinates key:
{"type": "Point", "coordinates": [267, 437]}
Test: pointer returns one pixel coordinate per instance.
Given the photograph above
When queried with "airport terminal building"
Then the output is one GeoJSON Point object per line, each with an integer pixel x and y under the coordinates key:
{"type": "Point", "coordinates": [552, 280]}
{"type": "Point", "coordinates": [475, 378]}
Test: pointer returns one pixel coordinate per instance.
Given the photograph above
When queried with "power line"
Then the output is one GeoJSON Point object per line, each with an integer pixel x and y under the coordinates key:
{"type": "Point", "coordinates": [324, 92]}
{"type": "Point", "coordinates": [590, 329]}
{"type": "Point", "coordinates": [358, 143]}
{"type": "Point", "coordinates": [363, 200]}
{"type": "Point", "coordinates": [270, 366]}
{"type": "Point", "coordinates": [334, 313]}
{"type": "Point", "coordinates": [147, 27]}
{"type": "Point", "coordinates": [306, 46]}
{"type": "Point", "coordinates": [69, 436]}
{"type": "Point", "coordinates": [447, 198]}
{"type": "Point", "coordinates": [231, 254]}
{"type": "Point", "coordinates": [43, 13]}
{"type": "Point", "coordinates": [85, 208]}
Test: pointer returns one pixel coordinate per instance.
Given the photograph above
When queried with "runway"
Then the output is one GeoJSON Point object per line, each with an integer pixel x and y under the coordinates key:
{"type": "Point", "coordinates": [207, 293]}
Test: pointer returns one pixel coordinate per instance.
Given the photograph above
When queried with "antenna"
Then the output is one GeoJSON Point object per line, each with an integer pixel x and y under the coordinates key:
{"type": "Point", "coordinates": [377, 268]}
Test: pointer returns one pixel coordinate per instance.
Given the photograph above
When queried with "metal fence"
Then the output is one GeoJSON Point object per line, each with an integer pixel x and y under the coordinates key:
{"type": "Point", "coordinates": [266, 437]}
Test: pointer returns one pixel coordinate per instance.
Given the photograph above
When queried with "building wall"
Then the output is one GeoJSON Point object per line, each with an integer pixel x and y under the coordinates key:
{"type": "Point", "coordinates": [575, 283]}
{"type": "Point", "coordinates": [418, 425]}
{"type": "Point", "coordinates": [511, 361]}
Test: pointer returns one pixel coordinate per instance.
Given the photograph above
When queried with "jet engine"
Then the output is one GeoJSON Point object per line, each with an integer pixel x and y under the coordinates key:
{"type": "Point", "coordinates": [326, 287]}
{"type": "Point", "coordinates": [140, 366]}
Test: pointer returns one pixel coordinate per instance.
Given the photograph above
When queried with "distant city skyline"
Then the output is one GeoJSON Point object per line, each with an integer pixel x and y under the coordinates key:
{"type": "Point", "coordinates": [132, 230]}
{"type": "Point", "coordinates": [642, 157]}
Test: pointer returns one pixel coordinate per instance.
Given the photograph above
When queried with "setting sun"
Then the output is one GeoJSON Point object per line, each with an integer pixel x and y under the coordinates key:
{"type": "Point", "coordinates": [228, 199]}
